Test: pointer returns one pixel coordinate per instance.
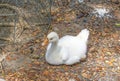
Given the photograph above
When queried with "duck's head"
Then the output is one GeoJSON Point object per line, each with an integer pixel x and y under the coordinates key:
{"type": "Point", "coordinates": [51, 38]}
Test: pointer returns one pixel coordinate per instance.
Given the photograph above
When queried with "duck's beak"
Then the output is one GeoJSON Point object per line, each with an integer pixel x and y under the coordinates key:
{"type": "Point", "coordinates": [45, 42]}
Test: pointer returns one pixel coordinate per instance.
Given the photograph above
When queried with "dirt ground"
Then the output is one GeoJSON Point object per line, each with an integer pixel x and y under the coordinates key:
{"type": "Point", "coordinates": [27, 63]}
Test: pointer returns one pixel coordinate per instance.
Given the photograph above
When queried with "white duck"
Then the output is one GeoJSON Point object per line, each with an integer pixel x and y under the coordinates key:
{"type": "Point", "coordinates": [67, 50]}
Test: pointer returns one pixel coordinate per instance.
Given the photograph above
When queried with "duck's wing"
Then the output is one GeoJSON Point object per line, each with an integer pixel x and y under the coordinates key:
{"type": "Point", "coordinates": [64, 54]}
{"type": "Point", "coordinates": [66, 38]}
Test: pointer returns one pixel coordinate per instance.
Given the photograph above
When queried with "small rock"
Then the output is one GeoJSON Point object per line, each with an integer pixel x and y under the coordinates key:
{"type": "Point", "coordinates": [80, 1]}
{"type": "Point", "coordinates": [2, 80]}
{"type": "Point", "coordinates": [72, 80]}
{"type": "Point", "coordinates": [15, 61]}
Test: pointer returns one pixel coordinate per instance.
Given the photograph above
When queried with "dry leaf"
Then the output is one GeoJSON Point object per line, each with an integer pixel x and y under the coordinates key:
{"type": "Point", "coordinates": [46, 73]}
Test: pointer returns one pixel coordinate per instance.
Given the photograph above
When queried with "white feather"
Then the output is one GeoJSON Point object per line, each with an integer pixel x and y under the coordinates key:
{"type": "Point", "coordinates": [68, 50]}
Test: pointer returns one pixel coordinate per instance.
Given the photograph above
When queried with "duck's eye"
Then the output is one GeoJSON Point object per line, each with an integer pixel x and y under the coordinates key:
{"type": "Point", "coordinates": [51, 39]}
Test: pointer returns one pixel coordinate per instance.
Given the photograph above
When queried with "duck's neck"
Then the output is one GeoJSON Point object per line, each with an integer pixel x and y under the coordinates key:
{"type": "Point", "coordinates": [53, 48]}
{"type": "Point", "coordinates": [54, 44]}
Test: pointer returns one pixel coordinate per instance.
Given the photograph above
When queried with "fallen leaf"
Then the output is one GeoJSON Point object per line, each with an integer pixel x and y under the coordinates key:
{"type": "Point", "coordinates": [46, 73]}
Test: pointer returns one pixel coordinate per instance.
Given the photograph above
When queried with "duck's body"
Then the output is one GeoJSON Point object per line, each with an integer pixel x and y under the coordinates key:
{"type": "Point", "coordinates": [67, 50]}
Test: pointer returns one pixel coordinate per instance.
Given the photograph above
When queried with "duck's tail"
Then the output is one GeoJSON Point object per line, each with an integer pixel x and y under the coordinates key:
{"type": "Point", "coordinates": [83, 35]}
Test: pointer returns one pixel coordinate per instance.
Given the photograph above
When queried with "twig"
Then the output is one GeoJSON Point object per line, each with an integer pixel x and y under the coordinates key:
{"type": "Point", "coordinates": [5, 39]}
{"type": "Point", "coordinates": [3, 56]}
{"type": "Point", "coordinates": [3, 71]}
